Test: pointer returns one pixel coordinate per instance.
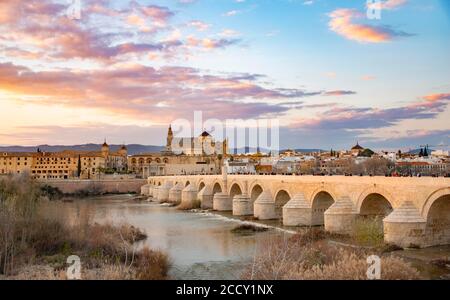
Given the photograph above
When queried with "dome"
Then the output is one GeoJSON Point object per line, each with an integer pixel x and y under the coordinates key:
{"type": "Point", "coordinates": [357, 147]}
{"type": "Point", "coordinates": [123, 147]}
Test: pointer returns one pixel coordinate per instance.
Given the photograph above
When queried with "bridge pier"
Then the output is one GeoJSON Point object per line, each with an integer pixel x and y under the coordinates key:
{"type": "Point", "coordinates": [297, 212]}
{"type": "Point", "coordinates": [145, 190]}
{"type": "Point", "coordinates": [175, 193]}
{"type": "Point", "coordinates": [242, 205]}
{"type": "Point", "coordinates": [189, 197]}
{"type": "Point", "coordinates": [150, 189]}
{"type": "Point", "coordinates": [264, 207]}
{"type": "Point", "coordinates": [340, 217]}
{"type": "Point", "coordinates": [205, 196]}
{"type": "Point", "coordinates": [222, 202]}
{"type": "Point", "coordinates": [405, 227]}
{"type": "Point", "coordinates": [163, 192]}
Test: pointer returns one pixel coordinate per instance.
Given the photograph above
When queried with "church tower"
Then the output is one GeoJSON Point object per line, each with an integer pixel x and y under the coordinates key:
{"type": "Point", "coordinates": [169, 139]}
{"type": "Point", "coordinates": [105, 149]}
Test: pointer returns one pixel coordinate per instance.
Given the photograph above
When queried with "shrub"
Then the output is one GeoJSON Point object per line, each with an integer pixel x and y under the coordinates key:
{"type": "Point", "coordinates": [243, 228]}
{"type": "Point", "coordinates": [309, 256]}
{"type": "Point", "coordinates": [368, 231]}
{"type": "Point", "coordinates": [36, 231]}
{"type": "Point", "coordinates": [151, 265]}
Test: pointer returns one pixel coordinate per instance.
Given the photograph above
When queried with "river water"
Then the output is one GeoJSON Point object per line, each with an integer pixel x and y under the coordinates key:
{"type": "Point", "coordinates": [200, 245]}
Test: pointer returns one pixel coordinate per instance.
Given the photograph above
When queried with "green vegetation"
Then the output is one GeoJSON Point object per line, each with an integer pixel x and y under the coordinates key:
{"type": "Point", "coordinates": [368, 231]}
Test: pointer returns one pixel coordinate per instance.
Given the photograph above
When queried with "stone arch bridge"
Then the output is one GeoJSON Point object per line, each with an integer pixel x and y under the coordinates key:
{"type": "Point", "coordinates": [414, 211]}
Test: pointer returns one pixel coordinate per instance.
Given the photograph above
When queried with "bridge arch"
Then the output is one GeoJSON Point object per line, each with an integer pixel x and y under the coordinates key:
{"type": "Point", "coordinates": [235, 189]}
{"type": "Point", "coordinates": [320, 203]}
{"type": "Point", "coordinates": [327, 190]}
{"type": "Point", "coordinates": [217, 187]}
{"type": "Point", "coordinates": [374, 196]}
{"type": "Point", "coordinates": [432, 198]}
{"type": "Point", "coordinates": [281, 198]}
{"type": "Point", "coordinates": [436, 210]}
{"type": "Point", "coordinates": [255, 191]}
{"type": "Point", "coordinates": [201, 185]}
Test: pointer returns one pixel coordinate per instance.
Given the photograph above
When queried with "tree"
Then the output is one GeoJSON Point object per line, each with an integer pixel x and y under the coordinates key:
{"type": "Point", "coordinates": [378, 166]}
{"type": "Point", "coordinates": [79, 166]}
{"type": "Point", "coordinates": [425, 152]}
{"type": "Point", "coordinates": [421, 152]}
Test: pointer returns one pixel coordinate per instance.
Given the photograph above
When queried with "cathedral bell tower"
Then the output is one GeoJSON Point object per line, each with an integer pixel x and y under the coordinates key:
{"type": "Point", "coordinates": [169, 139]}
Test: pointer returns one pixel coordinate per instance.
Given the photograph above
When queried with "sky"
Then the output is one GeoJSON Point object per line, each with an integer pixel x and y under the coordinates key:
{"type": "Point", "coordinates": [332, 72]}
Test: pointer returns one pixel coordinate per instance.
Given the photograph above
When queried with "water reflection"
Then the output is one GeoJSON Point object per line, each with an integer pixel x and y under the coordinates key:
{"type": "Point", "coordinates": [201, 246]}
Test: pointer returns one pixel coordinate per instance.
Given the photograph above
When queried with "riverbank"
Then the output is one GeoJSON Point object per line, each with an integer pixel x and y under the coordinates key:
{"type": "Point", "coordinates": [38, 235]}
{"type": "Point", "coordinates": [96, 187]}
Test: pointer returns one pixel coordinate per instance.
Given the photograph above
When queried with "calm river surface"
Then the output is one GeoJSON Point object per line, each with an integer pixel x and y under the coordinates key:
{"type": "Point", "coordinates": [200, 245]}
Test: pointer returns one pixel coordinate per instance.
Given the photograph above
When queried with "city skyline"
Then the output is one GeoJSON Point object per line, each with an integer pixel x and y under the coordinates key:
{"type": "Point", "coordinates": [126, 69]}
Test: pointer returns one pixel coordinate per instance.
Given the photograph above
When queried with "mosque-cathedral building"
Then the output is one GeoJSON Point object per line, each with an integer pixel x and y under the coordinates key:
{"type": "Point", "coordinates": [191, 155]}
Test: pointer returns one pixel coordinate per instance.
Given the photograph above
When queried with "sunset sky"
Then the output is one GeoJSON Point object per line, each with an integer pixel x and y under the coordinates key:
{"type": "Point", "coordinates": [126, 69]}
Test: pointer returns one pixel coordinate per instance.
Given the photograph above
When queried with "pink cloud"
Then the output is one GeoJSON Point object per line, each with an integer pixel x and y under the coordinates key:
{"type": "Point", "coordinates": [387, 4]}
{"type": "Point", "coordinates": [342, 22]}
{"type": "Point", "coordinates": [44, 27]}
{"type": "Point", "coordinates": [139, 91]}
{"type": "Point", "coordinates": [339, 93]}
{"type": "Point", "coordinates": [437, 97]}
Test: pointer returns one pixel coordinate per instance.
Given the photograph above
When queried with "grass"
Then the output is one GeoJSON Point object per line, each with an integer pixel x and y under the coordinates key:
{"type": "Point", "coordinates": [368, 231]}
{"type": "Point", "coordinates": [309, 256]}
{"type": "Point", "coordinates": [37, 235]}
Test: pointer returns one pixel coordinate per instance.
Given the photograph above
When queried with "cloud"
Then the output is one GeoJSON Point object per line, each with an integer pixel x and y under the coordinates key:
{"type": "Point", "coordinates": [437, 97]}
{"type": "Point", "coordinates": [353, 118]}
{"type": "Point", "coordinates": [368, 77]}
{"type": "Point", "coordinates": [339, 93]}
{"type": "Point", "coordinates": [147, 93]}
{"type": "Point", "coordinates": [342, 22]}
{"type": "Point", "coordinates": [199, 25]}
{"type": "Point", "coordinates": [42, 30]}
{"type": "Point", "coordinates": [210, 43]}
{"type": "Point", "coordinates": [386, 4]}
{"type": "Point", "coordinates": [231, 13]}
{"type": "Point", "coordinates": [229, 33]}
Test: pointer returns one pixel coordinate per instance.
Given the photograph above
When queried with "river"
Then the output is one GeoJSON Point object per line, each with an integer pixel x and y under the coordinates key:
{"type": "Point", "coordinates": [200, 245]}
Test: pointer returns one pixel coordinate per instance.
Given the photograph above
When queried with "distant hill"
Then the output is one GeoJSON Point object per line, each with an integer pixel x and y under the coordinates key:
{"type": "Point", "coordinates": [132, 148]}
